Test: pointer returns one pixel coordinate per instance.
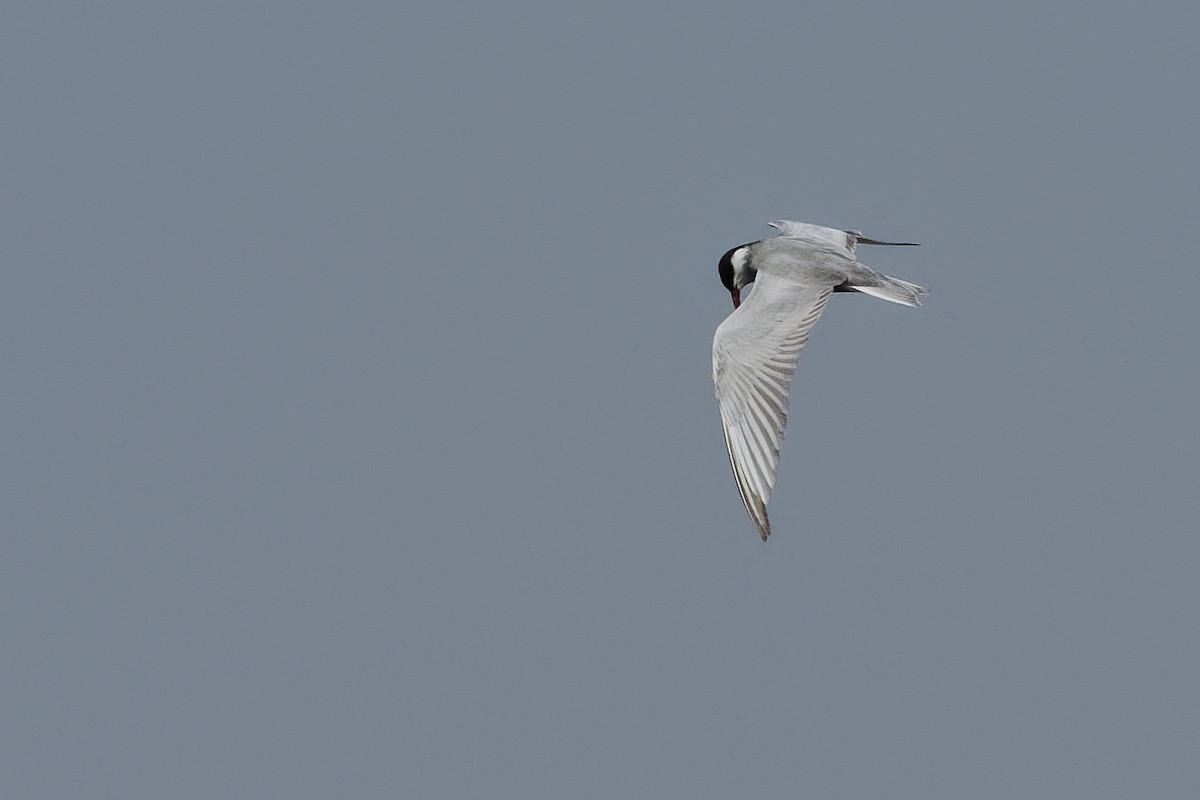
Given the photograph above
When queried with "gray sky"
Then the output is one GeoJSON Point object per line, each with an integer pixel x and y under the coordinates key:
{"type": "Point", "coordinates": [359, 437]}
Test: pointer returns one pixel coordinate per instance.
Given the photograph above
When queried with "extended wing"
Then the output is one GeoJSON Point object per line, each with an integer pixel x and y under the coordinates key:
{"type": "Point", "coordinates": [754, 356]}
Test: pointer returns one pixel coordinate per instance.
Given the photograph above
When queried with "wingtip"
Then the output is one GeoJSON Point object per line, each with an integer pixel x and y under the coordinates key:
{"type": "Point", "coordinates": [865, 240]}
{"type": "Point", "coordinates": [764, 525]}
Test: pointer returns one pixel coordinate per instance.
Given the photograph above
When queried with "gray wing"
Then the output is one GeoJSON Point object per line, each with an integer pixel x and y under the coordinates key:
{"type": "Point", "coordinates": [754, 356]}
{"type": "Point", "coordinates": [842, 241]}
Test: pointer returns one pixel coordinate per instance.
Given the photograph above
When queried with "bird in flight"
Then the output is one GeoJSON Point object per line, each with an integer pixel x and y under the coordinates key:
{"type": "Point", "coordinates": [755, 349]}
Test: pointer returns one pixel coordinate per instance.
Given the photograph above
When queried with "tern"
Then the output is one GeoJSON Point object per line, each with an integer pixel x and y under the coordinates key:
{"type": "Point", "coordinates": [756, 348]}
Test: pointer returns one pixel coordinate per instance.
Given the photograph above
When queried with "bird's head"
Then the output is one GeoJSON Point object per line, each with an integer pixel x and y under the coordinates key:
{"type": "Point", "coordinates": [735, 270]}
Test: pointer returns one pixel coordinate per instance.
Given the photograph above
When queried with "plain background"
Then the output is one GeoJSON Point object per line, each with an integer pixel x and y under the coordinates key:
{"type": "Point", "coordinates": [358, 429]}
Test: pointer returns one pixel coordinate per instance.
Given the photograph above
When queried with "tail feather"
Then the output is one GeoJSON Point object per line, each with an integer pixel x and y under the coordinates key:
{"type": "Point", "coordinates": [892, 289]}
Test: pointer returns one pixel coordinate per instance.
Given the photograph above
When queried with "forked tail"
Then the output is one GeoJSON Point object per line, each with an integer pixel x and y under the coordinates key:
{"type": "Point", "coordinates": [885, 287]}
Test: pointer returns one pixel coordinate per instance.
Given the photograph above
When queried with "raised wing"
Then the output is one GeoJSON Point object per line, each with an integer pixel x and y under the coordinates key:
{"type": "Point", "coordinates": [754, 356]}
{"type": "Point", "coordinates": [842, 241]}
